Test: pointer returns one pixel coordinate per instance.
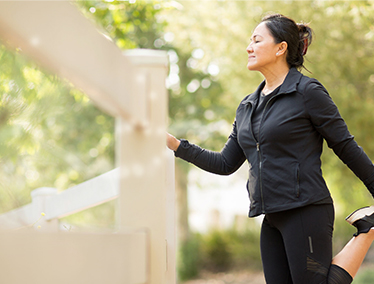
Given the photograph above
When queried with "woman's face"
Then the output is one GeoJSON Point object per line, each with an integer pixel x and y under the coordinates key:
{"type": "Point", "coordinates": [262, 49]}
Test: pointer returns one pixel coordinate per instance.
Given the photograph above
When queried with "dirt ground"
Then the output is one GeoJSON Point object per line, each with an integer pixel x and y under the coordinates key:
{"type": "Point", "coordinates": [246, 277]}
{"type": "Point", "coordinates": [229, 278]}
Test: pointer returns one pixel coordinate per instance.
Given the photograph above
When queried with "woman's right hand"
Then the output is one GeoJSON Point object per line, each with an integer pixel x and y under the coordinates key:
{"type": "Point", "coordinates": [172, 142]}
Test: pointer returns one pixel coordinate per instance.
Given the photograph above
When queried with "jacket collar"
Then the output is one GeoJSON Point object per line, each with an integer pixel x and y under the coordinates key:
{"type": "Point", "coordinates": [289, 85]}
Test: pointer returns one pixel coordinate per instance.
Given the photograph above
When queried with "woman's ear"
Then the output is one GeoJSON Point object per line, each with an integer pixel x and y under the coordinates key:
{"type": "Point", "coordinates": [282, 48]}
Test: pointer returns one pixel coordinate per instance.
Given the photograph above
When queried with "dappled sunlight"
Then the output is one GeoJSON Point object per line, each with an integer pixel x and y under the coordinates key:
{"type": "Point", "coordinates": [52, 134]}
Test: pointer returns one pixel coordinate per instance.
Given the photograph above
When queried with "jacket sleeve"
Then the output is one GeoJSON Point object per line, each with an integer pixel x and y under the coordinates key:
{"type": "Point", "coordinates": [327, 120]}
{"type": "Point", "coordinates": [225, 162]}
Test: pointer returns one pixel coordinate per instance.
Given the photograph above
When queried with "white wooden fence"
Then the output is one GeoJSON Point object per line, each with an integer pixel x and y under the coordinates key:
{"type": "Point", "coordinates": [56, 205]}
{"type": "Point", "coordinates": [133, 259]}
{"type": "Point", "coordinates": [131, 87]}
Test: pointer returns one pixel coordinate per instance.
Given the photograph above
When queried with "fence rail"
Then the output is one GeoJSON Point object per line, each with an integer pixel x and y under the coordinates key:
{"type": "Point", "coordinates": [131, 87]}
{"type": "Point", "coordinates": [91, 193]}
{"type": "Point", "coordinates": [56, 204]}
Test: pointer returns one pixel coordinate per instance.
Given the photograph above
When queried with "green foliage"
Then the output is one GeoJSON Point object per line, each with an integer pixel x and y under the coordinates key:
{"type": "Point", "coordinates": [245, 248]}
{"type": "Point", "coordinates": [190, 260]}
{"type": "Point", "coordinates": [130, 25]}
{"type": "Point", "coordinates": [217, 252]}
{"type": "Point", "coordinates": [101, 217]}
{"type": "Point", "coordinates": [220, 251]}
{"type": "Point", "coordinates": [364, 276]}
{"type": "Point", "coordinates": [51, 134]}
{"type": "Point", "coordinates": [341, 57]}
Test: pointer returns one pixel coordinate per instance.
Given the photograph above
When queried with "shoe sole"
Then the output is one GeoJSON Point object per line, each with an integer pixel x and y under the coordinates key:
{"type": "Point", "coordinates": [359, 214]}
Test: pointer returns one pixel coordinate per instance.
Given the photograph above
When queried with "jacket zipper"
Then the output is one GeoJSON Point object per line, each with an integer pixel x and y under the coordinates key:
{"type": "Point", "coordinates": [297, 182]}
{"type": "Point", "coordinates": [259, 153]}
{"type": "Point", "coordinates": [260, 178]}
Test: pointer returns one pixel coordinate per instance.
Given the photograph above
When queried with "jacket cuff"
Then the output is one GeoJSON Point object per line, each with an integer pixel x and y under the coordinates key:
{"type": "Point", "coordinates": [183, 147]}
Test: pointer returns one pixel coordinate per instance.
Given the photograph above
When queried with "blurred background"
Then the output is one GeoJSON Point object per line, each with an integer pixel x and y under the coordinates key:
{"type": "Point", "coordinates": [52, 135]}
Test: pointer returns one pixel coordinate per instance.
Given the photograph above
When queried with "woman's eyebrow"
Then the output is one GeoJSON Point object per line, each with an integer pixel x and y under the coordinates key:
{"type": "Point", "coordinates": [255, 36]}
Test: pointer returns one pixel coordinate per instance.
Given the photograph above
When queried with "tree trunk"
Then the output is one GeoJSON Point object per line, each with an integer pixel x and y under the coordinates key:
{"type": "Point", "coordinates": [181, 183]}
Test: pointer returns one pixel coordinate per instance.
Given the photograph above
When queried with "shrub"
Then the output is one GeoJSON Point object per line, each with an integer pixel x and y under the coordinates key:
{"type": "Point", "coordinates": [190, 258]}
{"type": "Point", "coordinates": [219, 251]}
{"type": "Point", "coordinates": [216, 251]}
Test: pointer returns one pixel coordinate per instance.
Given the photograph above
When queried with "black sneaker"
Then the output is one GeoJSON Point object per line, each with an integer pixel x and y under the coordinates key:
{"type": "Point", "coordinates": [362, 219]}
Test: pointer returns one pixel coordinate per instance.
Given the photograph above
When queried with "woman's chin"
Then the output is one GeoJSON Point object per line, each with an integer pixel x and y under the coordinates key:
{"type": "Point", "coordinates": [250, 67]}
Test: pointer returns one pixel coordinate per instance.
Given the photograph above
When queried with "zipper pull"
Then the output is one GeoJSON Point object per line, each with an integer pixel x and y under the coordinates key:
{"type": "Point", "coordinates": [258, 147]}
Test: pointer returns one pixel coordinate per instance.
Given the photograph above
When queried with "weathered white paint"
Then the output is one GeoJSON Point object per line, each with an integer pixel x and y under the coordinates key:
{"type": "Point", "coordinates": [61, 258]}
{"type": "Point", "coordinates": [130, 87]}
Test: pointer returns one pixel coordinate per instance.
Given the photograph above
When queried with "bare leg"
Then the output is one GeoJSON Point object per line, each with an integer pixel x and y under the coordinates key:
{"type": "Point", "coordinates": [352, 255]}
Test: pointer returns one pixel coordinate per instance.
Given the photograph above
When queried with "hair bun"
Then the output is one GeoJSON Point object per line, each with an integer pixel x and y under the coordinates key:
{"type": "Point", "coordinates": [297, 36]}
{"type": "Point", "coordinates": [305, 34]}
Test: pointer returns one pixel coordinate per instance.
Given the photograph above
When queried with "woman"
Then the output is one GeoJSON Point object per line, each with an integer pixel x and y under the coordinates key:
{"type": "Point", "coordinates": [280, 129]}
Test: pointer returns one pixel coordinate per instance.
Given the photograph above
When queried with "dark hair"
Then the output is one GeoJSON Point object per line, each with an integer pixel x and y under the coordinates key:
{"type": "Point", "coordinates": [298, 37]}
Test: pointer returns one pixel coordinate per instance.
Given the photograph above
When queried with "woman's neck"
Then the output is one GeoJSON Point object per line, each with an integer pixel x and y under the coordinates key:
{"type": "Point", "coordinates": [274, 79]}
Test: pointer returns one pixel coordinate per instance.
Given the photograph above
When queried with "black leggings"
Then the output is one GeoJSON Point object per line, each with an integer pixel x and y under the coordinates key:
{"type": "Point", "coordinates": [296, 247]}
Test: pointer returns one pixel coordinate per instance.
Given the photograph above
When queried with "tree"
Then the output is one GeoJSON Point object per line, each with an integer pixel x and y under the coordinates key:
{"type": "Point", "coordinates": [50, 133]}
{"type": "Point", "coordinates": [340, 57]}
{"type": "Point", "coordinates": [43, 120]}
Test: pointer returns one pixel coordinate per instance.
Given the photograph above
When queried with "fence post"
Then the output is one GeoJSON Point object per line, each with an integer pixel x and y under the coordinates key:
{"type": "Point", "coordinates": [142, 157]}
{"type": "Point", "coordinates": [40, 198]}
{"type": "Point", "coordinates": [171, 241]}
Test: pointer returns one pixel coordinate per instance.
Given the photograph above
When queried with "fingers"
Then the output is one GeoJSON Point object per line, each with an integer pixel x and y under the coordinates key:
{"type": "Point", "coordinates": [172, 142]}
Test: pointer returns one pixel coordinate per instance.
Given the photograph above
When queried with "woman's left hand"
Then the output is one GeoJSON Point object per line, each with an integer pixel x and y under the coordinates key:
{"type": "Point", "coordinates": [172, 142]}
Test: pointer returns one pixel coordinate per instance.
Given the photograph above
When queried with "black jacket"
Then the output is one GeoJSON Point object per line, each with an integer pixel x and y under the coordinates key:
{"type": "Point", "coordinates": [284, 164]}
